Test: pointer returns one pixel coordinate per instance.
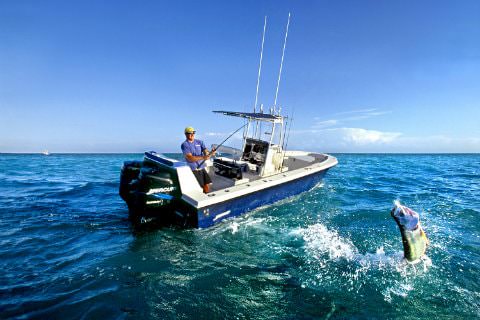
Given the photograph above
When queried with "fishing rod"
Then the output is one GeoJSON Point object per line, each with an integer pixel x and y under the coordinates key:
{"type": "Point", "coordinates": [216, 148]}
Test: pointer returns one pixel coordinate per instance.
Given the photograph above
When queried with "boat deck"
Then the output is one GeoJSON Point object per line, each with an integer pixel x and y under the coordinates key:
{"type": "Point", "coordinates": [294, 161]}
{"type": "Point", "coordinates": [296, 165]}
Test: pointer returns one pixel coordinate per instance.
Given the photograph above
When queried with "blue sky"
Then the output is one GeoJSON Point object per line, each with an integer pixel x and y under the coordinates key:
{"type": "Point", "coordinates": [128, 76]}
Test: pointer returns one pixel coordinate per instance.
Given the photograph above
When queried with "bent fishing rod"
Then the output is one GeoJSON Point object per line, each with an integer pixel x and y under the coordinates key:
{"type": "Point", "coordinates": [216, 148]}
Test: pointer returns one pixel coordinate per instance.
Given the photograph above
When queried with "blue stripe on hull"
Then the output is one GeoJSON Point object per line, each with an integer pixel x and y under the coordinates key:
{"type": "Point", "coordinates": [240, 205]}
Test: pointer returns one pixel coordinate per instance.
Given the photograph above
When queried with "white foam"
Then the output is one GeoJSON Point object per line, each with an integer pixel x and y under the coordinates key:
{"type": "Point", "coordinates": [234, 226]}
{"type": "Point", "coordinates": [400, 290]}
{"type": "Point", "coordinates": [320, 241]}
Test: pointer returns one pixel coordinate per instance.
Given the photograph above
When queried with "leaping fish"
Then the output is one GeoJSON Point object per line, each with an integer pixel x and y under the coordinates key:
{"type": "Point", "coordinates": [414, 239]}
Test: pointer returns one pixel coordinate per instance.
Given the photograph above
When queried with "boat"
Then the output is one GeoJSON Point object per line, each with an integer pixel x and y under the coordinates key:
{"type": "Point", "coordinates": [166, 190]}
{"type": "Point", "coordinates": [260, 172]}
{"type": "Point", "coordinates": [45, 152]}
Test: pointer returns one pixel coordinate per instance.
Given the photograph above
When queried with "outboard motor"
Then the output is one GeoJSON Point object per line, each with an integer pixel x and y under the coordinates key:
{"type": "Point", "coordinates": [150, 188]}
{"type": "Point", "coordinates": [129, 179]}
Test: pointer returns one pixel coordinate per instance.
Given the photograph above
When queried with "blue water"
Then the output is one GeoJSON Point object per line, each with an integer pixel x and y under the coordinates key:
{"type": "Point", "coordinates": [68, 250]}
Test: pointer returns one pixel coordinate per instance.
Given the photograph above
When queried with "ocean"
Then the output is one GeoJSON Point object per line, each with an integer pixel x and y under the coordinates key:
{"type": "Point", "coordinates": [68, 250]}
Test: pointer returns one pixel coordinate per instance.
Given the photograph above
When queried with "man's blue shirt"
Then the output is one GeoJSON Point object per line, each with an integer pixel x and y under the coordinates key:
{"type": "Point", "coordinates": [196, 149]}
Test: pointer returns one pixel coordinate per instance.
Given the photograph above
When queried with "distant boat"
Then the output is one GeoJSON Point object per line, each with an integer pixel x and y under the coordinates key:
{"type": "Point", "coordinates": [45, 152]}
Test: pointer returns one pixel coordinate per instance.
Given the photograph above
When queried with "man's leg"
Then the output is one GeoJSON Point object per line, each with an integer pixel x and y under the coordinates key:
{"type": "Point", "coordinates": [206, 188]}
{"type": "Point", "coordinates": [206, 181]}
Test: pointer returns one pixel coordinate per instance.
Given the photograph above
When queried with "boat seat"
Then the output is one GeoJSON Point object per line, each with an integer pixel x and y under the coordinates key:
{"type": "Point", "coordinates": [229, 168]}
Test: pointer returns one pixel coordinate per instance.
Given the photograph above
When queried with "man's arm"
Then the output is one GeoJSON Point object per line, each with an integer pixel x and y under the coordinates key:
{"type": "Point", "coordinates": [208, 153]}
{"type": "Point", "coordinates": [191, 158]}
{"type": "Point", "coordinates": [205, 150]}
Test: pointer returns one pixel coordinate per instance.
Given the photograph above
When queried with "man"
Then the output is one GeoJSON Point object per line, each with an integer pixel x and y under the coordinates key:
{"type": "Point", "coordinates": [196, 153]}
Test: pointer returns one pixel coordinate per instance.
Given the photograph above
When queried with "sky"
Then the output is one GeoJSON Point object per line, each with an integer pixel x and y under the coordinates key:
{"type": "Point", "coordinates": [129, 76]}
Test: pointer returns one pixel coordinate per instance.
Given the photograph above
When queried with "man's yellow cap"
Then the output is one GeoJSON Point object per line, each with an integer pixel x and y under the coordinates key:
{"type": "Point", "coordinates": [189, 130]}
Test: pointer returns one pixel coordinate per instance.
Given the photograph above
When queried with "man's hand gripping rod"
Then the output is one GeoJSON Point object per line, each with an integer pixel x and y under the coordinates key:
{"type": "Point", "coordinates": [215, 149]}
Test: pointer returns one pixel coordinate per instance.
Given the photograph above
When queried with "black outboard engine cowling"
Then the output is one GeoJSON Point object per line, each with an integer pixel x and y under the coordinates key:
{"type": "Point", "coordinates": [152, 190]}
{"type": "Point", "coordinates": [129, 179]}
{"type": "Point", "coordinates": [149, 189]}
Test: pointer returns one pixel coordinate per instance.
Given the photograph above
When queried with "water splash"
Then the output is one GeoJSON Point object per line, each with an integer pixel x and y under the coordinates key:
{"type": "Point", "coordinates": [234, 227]}
{"type": "Point", "coordinates": [332, 257]}
{"type": "Point", "coordinates": [321, 242]}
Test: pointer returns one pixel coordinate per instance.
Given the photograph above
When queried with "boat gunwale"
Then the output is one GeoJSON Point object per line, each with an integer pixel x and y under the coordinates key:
{"type": "Point", "coordinates": [200, 200]}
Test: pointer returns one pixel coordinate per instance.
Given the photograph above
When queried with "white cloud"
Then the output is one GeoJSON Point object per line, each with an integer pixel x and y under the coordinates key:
{"type": "Point", "coordinates": [364, 140]}
{"type": "Point", "coordinates": [362, 114]}
{"type": "Point", "coordinates": [361, 136]}
{"type": "Point", "coordinates": [336, 135]}
{"type": "Point", "coordinates": [344, 139]}
{"type": "Point", "coordinates": [348, 116]}
{"type": "Point", "coordinates": [214, 134]}
{"type": "Point", "coordinates": [352, 136]}
{"type": "Point", "coordinates": [357, 111]}
{"type": "Point", "coordinates": [224, 135]}
{"type": "Point", "coordinates": [325, 124]}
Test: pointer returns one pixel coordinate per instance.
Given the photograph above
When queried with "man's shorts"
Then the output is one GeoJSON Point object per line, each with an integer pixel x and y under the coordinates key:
{"type": "Point", "coordinates": [202, 177]}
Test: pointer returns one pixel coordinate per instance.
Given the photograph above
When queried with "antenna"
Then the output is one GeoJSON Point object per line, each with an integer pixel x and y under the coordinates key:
{"type": "Point", "coordinates": [260, 66]}
{"type": "Point", "coordinates": [281, 64]}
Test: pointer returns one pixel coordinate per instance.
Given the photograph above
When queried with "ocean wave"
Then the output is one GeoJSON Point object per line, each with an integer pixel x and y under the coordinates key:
{"type": "Point", "coordinates": [68, 248]}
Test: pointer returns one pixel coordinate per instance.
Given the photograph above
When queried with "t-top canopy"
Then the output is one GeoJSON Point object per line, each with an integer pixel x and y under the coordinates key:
{"type": "Point", "coordinates": [253, 116]}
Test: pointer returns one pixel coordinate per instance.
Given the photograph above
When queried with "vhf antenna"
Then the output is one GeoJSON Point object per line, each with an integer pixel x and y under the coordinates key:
{"type": "Point", "coordinates": [260, 66]}
{"type": "Point", "coordinates": [281, 65]}
{"type": "Point", "coordinates": [258, 78]}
